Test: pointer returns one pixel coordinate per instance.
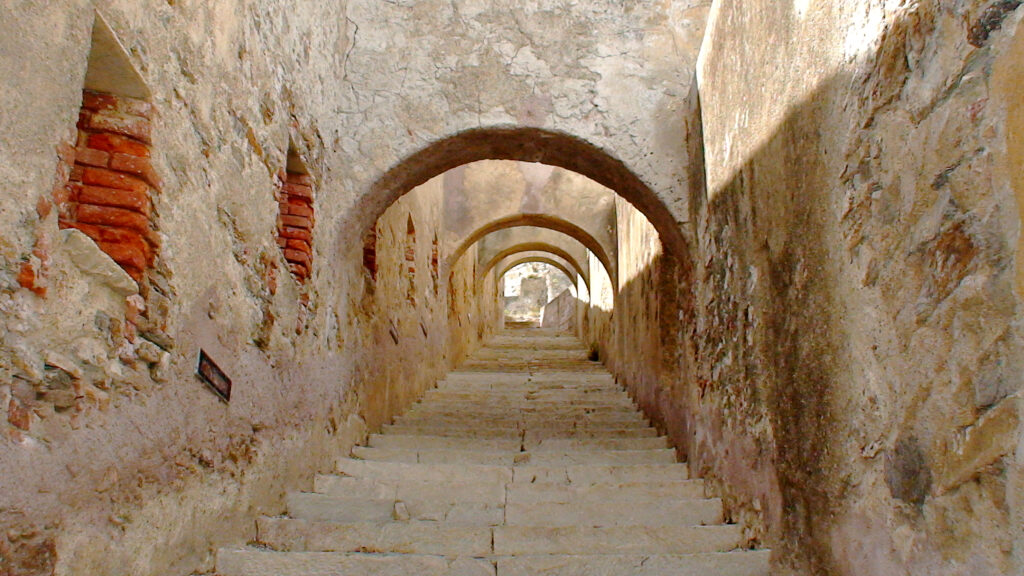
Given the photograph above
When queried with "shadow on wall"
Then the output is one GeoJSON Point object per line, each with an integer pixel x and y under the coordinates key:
{"type": "Point", "coordinates": [853, 357]}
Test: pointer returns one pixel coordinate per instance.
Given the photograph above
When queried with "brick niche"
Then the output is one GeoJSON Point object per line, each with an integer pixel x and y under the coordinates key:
{"type": "Point", "coordinates": [295, 224]}
{"type": "Point", "coordinates": [109, 194]}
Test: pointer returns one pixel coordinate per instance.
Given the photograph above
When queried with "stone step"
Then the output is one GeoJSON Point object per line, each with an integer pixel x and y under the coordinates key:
{"type": "Point", "coordinates": [531, 437]}
{"type": "Point", "coordinates": [736, 563]}
{"type": "Point", "coordinates": [566, 444]}
{"type": "Point", "coordinates": [540, 423]}
{"type": "Point", "coordinates": [421, 442]}
{"type": "Point", "coordinates": [290, 535]}
{"type": "Point", "coordinates": [516, 540]}
{"type": "Point", "coordinates": [693, 512]}
{"type": "Point", "coordinates": [254, 562]}
{"type": "Point", "coordinates": [438, 473]}
{"type": "Point", "coordinates": [347, 510]}
{"type": "Point", "coordinates": [598, 474]}
{"type": "Point", "coordinates": [484, 491]}
{"type": "Point", "coordinates": [596, 493]}
{"type": "Point", "coordinates": [413, 537]}
{"type": "Point", "coordinates": [536, 435]}
{"type": "Point", "coordinates": [507, 458]}
{"type": "Point", "coordinates": [561, 402]}
{"type": "Point", "coordinates": [567, 406]}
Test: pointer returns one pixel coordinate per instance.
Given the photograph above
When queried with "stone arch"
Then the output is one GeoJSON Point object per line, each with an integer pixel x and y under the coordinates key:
{"type": "Point", "coordinates": [569, 273]}
{"type": "Point", "coordinates": [537, 221]}
{"type": "Point", "coordinates": [551, 249]}
{"type": "Point", "coordinates": [528, 144]}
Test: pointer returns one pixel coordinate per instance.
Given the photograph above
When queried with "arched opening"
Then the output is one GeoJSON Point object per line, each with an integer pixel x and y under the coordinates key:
{"type": "Point", "coordinates": [570, 269]}
{"type": "Point", "coordinates": [528, 288]}
{"type": "Point", "coordinates": [545, 221]}
{"type": "Point", "coordinates": [526, 144]}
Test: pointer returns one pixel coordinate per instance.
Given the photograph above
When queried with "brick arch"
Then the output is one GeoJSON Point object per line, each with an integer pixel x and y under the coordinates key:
{"type": "Point", "coordinates": [538, 221]}
{"type": "Point", "coordinates": [527, 144]}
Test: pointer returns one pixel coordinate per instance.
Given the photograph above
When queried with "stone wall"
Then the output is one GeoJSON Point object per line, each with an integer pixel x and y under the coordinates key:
{"type": "Point", "coordinates": [560, 313]}
{"type": "Point", "coordinates": [110, 443]}
{"type": "Point", "coordinates": [857, 344]}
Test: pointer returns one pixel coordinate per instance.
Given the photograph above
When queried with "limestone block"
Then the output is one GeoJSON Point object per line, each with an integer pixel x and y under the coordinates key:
{"type": "Point", "coordinates": [696, 512]}
{"type": "Point", "coordinates": [249, 562]}
{"type": "Point", "coordinates": [584, 474]}
{"type": "Point", "coordinates": [89, 258]}
{"type": "Point", "coordinates": [390, 537]}
{"type": "Point", "coordinates": [645, 539]}
{"type": "Point", "coordinates": [719, 564]}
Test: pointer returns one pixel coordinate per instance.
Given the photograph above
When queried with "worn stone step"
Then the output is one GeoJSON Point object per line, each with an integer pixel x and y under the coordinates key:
{"type": "Point", "coordinates": [482, 491]}
{"type": "Point", "coordinates": [507, 458]}
{"type": "Point", "coordinates": [600, 474]}
{"type": "Point", "coordinates": [567, 444]}
{"type": "Point", "coordinates": [524, 493]}
{"type": "Point", "coordinates": [692, 512]}
{"type": "Point", "coordinates": [439, 473]}
{"type": "Point", "coordinates": [452, 431]}
{"type": "Point", "coordinates": [536, 435]}
{"type": "Point", "coordinates": [566, 410]}
{"type": "Point", "coordinates": [515, 540]}
{"type": "Point", "coordinates": [420, 441]}
{"type": "Point", "coordinates": [254, 562]}
{"type": "Point", "coordinates": [424, 442]}
{"type": "Point", "coordinates": [736, 563]}
{"type": "Point", "coordinates": [347, 510]}
{"type": "Point", "coordinates": [552, 403]}
{"type": "Point", "coordinates": [412, 537]}
{"type": "Point", "coordinates": [540, 423]}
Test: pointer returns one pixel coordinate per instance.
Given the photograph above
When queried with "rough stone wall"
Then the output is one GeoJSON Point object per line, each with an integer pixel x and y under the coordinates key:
{"type": "Point", "coordinates": [857, 344]}
{"type": "Point", "coordinates": [108, 445]}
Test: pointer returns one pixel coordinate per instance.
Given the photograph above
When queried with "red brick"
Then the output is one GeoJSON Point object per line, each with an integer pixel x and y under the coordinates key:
{"type": "Point", "coordinates": [300, 245]}
{"type": "Point", "coordinates": [111, 179]}
{"type": "Point", "coordinates": [125, 125]}
{"type": "Point", "coordinates": [301, 179]}
{"type": "Point", "coordinates": [299, 190]}
{"type": "Point", "coordinates": [96, 101]}
{"type": "Point", "coordinates": [99, 101]}
{"type": "Point", "coordinates": [76, 173]}
{"type": "Point", "coordinates": [285, 207]}
{"type": "Point", "coordinates": [296, 233]}
{"type": "Point", "coordinates": [119, 144]}
{"type": "Point", "coordinates": [296, 221]}
{"type": "Point", "coordinates": [282, 242]}
{"type": "Point", "coordinates": [112, 235]}
{"type": "Point", "coordinates": [299, 270]}
{"type": "Point", "coordinates": [137, 201]}
{"type": "Point", "coordinates": [297, 256]}
{"type": "Point", "coordinates": [84, 118]}
{"type": "Point", "coordinates": [138, 165]}
{"type": "Point", "coordinates": [91, 157]}
{"type": "Point", "coordinates": [128, 256]}
{"type": "Point", "coordinates": [109, 216]}
{"type": "Point", "coordinates": [301, 210]}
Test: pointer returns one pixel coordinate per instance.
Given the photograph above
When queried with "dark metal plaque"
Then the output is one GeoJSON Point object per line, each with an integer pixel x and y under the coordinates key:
{"type": "Point", "coordinates": [214, 377]}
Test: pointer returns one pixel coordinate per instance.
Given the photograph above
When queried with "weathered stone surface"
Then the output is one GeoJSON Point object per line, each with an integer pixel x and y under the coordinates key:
{"type": "Point", "coordinates": [262, 563]}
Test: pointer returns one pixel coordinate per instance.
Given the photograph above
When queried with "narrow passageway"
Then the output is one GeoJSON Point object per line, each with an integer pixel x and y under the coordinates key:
{"type": "Point", "coordinates": [528, 459]}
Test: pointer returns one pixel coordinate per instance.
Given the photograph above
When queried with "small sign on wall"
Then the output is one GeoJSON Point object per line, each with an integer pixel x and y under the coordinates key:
{"type": "Point", "coordinates": [215, 378]}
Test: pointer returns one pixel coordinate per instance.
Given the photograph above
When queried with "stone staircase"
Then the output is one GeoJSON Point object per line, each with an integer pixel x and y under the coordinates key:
{"type": "Point", "coordinates": [529, 459]}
